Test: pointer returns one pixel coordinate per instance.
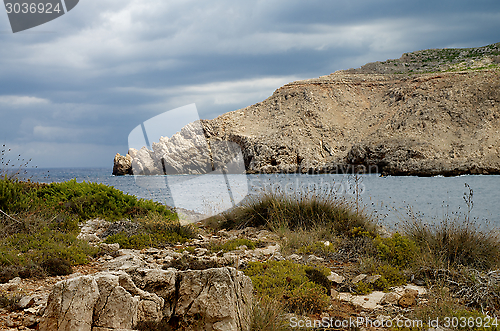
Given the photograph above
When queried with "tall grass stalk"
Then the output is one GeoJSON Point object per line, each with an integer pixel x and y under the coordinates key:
{"type": "Point", "coordinates": [302, 211]}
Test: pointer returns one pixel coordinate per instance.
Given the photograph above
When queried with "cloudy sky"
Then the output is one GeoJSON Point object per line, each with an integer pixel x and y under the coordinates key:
{"type": "Point", "coordinates": [71, 90]}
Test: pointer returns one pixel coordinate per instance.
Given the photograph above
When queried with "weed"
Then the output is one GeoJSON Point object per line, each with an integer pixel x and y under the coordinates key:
{"type": "Point", "coordinates": [448, 312]}
{"type": "Point", "coordinates": [319, 248]}
{"type": "Point", "coordinates": [11, 168]}
{"type": "Point", "coordinates": [268, 315]}
{"type": "Point", "coordinates": [455, 243]}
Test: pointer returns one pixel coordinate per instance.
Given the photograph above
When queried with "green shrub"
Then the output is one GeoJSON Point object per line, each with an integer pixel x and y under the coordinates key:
{"type": "Point", "coordinates": [40, 224]}
{"type": "Point", "coordinates": [285, 280]}
{"type": "Point", "coordinates": [391, 276]}
{"type": "Point", "coordinates": [84, 200]}
{"type": "Point", "coordinates": [153, 232]}
{"type": "Point", "coordinates": [93, 200]}
{"type": "Point", "coordinates": [363, 288]}
{"type": "Point", "coordinates": [398, 250]}
{"type": "Point", "coordinates": [22, 248]}
{"type": "Point", "coordinates": [16, 196]}
{"type": "Point", "coordinates": [308, 298]}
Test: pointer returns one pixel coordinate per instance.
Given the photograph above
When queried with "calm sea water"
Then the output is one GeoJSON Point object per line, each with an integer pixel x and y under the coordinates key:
{"type": "Point", "coordinates": [387, 198]}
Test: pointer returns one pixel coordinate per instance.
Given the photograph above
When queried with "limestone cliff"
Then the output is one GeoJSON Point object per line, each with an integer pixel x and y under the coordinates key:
{"type": "Point", "coordinates": [440, 123]}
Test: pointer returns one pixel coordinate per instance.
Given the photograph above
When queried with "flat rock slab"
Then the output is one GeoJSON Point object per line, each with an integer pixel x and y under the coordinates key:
{"type": "Point", "coordinates": [369, 301]}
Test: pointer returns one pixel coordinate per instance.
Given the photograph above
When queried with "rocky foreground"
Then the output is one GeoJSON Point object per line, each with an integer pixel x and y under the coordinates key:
{"type": "Point", "coordinates": [187, 285]}
{"type": "Point", "coordinates": [393, 117]}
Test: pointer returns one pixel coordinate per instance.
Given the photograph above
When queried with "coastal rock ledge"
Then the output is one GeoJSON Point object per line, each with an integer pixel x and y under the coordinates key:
{"type": "Point", "coordinates": [425, 124]}
{"type": "Point", "coordinates": [219, 299]}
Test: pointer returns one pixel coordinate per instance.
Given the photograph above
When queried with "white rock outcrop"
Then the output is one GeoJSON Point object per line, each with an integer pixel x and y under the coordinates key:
{"type": "Point", "coordinates": [217, 299]}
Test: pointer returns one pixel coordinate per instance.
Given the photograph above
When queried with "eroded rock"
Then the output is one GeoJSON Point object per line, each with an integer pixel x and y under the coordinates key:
{"type": "Point", "coordinates": [70, 306]}
{"type": "Point", "coordinates": [220, 298]}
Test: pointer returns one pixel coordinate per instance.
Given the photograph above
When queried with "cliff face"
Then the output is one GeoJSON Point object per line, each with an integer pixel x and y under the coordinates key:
{"type": "Point", "coordinates": [426, 124]}
{"type": "Point", "coordinates": [444, 123]}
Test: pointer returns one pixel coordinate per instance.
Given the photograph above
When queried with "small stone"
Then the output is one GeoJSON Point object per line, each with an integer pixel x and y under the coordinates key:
{"type": "Point", "coordinates": [389, 299]}
{"type": "Point", "coordinates": [109, 248]}
{"type": "Point", "coordinates": [26, 302]}
{"type": "Point", "coordinates": [418, 282]}
{"type": "Point", "coordinates": [359, 278]}
{"type": "Point", "coordinates": [295, 257]}
{"type": "Point", "coordinates": [12, 285]}
{"type": "Point", "coordinates": [334, 293]}
{"type": "Point", "coordinates": [336, 278]}
{"type": "Point", "coordinates": [408, 299]}
{"type": "Point", "coordinates": [372, 279]}
{"type": "Point", "coordinates": [200, 251]}
{"type": "Point", "coordinates": [74, 275]}
{"type": "Point", "coordinates": [9, 322]}
{"type": "Point", "coordinates": [314, 258]}
{"type": "Point", "coordinates": [30, 320]}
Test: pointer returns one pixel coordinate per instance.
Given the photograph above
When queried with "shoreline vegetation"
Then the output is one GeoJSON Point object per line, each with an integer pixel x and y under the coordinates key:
{"type": "Point", "coordinates": [457, 263]}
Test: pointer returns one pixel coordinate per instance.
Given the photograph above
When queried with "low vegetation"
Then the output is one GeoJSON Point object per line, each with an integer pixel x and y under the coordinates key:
{"type": "Point", "coordinates": [454, 255]}
{"type": "Point", "coordinates": [304, 212]}
{"type": "Point", "coordinates": [40, 222]}
{"type": "Point", "coordinates": [303, 289]}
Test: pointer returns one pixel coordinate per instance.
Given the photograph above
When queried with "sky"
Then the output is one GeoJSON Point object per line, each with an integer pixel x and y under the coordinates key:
{"type": "Point", "coordinates": [72, 90]}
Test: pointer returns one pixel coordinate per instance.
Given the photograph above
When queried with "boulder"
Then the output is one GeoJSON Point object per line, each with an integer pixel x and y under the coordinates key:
{"type": "Point", "coordinates": [160, 282]}
{"type": "Point", "coordinates": [70, 306]}
{"type": "Point", "coordinates": [219, 298]}
{"type": "Point", "coordinates": [122, 165]}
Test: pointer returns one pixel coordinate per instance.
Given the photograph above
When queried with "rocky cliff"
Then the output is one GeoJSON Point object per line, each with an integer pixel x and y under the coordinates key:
{"type": "Point", "coordinates": [389, 117]}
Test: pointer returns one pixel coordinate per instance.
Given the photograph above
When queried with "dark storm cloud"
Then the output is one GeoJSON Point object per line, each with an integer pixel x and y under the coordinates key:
{"type": "Point", "coordinates": [71, 90]}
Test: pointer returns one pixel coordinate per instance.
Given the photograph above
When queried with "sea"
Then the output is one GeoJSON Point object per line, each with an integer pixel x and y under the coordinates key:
{"type": "Point", "coordinates": [391, 200]}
